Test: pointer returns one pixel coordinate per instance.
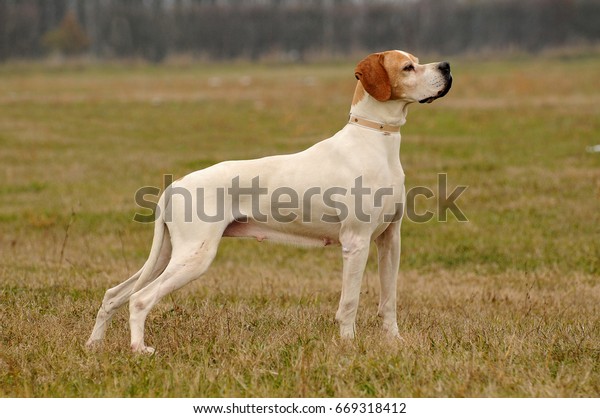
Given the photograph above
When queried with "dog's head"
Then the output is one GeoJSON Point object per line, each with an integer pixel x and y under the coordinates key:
{"type": "Point", "coordinates": [397, 75]}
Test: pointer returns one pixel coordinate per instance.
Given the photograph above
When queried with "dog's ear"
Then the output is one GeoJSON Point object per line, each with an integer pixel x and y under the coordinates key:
{"type": "Point", "coordinates": [374, 77]}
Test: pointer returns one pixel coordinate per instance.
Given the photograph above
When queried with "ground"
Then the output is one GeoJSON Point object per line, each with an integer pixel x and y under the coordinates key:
{"type": "Point", "coordinates": [506, 304]}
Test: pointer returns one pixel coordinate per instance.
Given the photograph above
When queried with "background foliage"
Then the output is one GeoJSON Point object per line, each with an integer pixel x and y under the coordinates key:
{"type": "Point", "coordinates": [293, 30]}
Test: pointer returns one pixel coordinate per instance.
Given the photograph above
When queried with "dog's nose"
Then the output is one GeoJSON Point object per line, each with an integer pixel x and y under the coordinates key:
{"type": "Point", "coordinates": [444, 67]}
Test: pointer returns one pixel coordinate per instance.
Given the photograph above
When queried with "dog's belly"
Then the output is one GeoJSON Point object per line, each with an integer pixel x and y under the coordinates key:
{"type": "Point", "coordinates": [291, 234]}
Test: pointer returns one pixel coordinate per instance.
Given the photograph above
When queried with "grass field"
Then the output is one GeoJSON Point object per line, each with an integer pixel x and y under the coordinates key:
{"type": "Point", "coordinates": [507, 304]}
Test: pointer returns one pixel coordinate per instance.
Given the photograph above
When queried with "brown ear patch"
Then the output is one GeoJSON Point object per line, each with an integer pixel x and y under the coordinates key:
{"type": "Point", "coordinates": [374, 77]}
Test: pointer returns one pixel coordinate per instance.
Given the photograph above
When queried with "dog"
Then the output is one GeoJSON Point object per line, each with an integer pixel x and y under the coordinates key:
{"type": "Point", "coordinates": [347, 190]}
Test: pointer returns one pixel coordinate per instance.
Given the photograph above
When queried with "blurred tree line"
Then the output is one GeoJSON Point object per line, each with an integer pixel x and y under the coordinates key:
{"type": "Point", "coordinates": [251, 29]}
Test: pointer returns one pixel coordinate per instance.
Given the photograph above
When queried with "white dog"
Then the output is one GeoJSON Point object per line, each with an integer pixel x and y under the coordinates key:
{"type": "Point", "coordinates": [346, 190]}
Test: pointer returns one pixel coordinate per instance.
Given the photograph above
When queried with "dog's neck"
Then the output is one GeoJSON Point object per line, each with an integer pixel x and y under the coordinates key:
{"type": "Point", "coordinates": [391, 112]}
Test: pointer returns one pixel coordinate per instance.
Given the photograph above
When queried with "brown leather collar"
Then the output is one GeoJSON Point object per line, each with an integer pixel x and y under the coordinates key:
{"type": "Point", "coordinates": [377, 126]}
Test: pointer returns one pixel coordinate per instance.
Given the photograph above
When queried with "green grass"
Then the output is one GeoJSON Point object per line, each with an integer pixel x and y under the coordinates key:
{"type": "Point", "coordinates": [507, 304]}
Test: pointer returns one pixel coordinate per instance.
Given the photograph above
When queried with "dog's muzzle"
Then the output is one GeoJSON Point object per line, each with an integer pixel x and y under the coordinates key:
{"type": "Point", "coordinates": [444, 68]}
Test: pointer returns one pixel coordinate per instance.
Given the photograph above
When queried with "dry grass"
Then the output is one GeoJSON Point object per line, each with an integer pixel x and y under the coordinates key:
{"type": "Point", "coordinates": [505, 305]}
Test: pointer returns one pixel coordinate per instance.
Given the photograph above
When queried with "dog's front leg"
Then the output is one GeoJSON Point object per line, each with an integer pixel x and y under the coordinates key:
{"type": "Point", "coordinates": [388, 250]}
{"type": "Point", "coordinates": [355, 251]}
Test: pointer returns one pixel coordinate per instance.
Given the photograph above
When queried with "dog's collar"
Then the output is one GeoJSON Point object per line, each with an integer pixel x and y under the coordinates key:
{"type": "Point", "coordinates": [376, 126]}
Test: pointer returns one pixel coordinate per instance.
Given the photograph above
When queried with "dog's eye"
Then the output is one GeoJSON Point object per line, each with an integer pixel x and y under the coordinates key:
{"type": "Point", "coordinates": [409, 67]}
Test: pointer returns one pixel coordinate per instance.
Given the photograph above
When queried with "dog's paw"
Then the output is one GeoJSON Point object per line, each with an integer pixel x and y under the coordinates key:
{"type": "Point", "coordinates": [142, 349]}
{"type": "Point", "coordinates": [391, 330]}
{"type": "Point", "coordinates": [149, 351]}
{"type": "Point", "coordinates": [393, 337]}
{"type": "Point", "coordinates": [93, 345]}
{"type": "Point", "coordinates": [347, 332]}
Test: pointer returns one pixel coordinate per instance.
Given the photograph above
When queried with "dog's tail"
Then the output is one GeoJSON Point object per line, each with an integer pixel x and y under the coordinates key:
{"type": "Point", "coordinates": [160, 252]}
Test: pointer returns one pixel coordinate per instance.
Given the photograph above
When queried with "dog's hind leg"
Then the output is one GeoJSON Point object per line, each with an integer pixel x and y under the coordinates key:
{"type": "Point", "coordinates": [185, 265]}
{"type": "Point", "coordinates": [117, 296]}
{"type": "Point", "coordinates": [113, 299]}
